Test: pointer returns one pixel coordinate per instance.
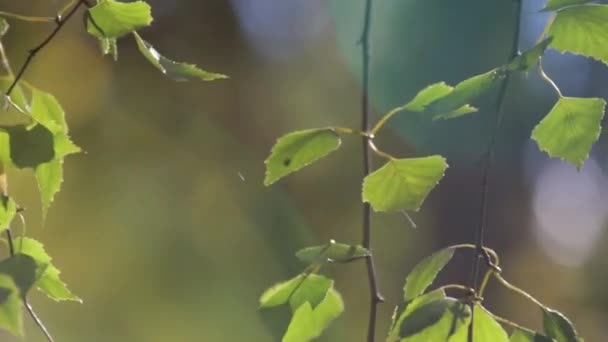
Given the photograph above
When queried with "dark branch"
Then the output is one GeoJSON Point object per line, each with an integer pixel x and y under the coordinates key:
{"type": "Point", "coordinates": [489, 157]}
{"type": "Point", "coordinates": [33, 52]}
{"type": "Point", "coordinates": [375, 296]}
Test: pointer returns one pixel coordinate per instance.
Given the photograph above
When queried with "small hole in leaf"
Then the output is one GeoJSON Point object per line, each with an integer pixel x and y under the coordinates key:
{"type": "Point", "coordinates": [286, 162]}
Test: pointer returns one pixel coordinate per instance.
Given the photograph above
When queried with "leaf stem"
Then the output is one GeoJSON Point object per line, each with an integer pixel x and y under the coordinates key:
{"type": "Point", "coordinates": [385, 119]}
{"type": "Point", "coordinates": [548, 79]}
{"type": "Point", "coordinates": [489, 157]}
{"type": "Point", "coordinates": [27, 18]}
{"type": "Point", "coordinates": [374, 292]}
{"type": "Point", "coordinates": [33, 52]}
{"type": "Point", "coordinates": [516, 289]}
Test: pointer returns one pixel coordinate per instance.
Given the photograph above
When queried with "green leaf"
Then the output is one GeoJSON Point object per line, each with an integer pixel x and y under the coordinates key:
{"type": "Point", "coordinates": [526, 336]}
{"type": "Point", "coordinates": [30, 146]}
{"type": "Point", "coordinates": [8, 210]}
{"type": "Point", "coordinates": [109, 47]}
{"type": "Point", "coordinates": [403, 184]}
{"type": "Point", "coordinates": [4, 26]}
{"type": "Point", "coordinates": [23, 269]}
{"type": "Point", "coordinates": [558, 327]}
{"type": "Point", "coordinates": [11, 318]}
{"type": "Point", "coordinates": [423, 274]}
{"type": "Point", "coordinates": [49, 282]}
{"type": "Point", "coordinates": [455, 103]}
{"type": "Point", "coordinates": [310, 288]}
{"type": "Point", "coordinates": [582, 30]}
{"type": "Point", "coordinates": [553, 5]}
{"type": "Point", "coordinates": [308, 323]}
{"type": "Point", "coordinates": [438, 320]}
{"type": "Point", "coordinates": [175, 70]}
{"type": "Point", "coordinates": [529, 58]}
{"type": "Point", "coordinates": [113, 19]}
{"type": "Point", "coordinates": [338, 252]}
{"type": "Point", "coordinates": [485, 327]}
{"type": "Point", "coordinates": [409, 307]}
{"type": "Point", "coordinates": [431, 94]}
{"type": "Point", "coordinates": [298, 149]}
{"type": "Point", "coordinates": [570, 128]}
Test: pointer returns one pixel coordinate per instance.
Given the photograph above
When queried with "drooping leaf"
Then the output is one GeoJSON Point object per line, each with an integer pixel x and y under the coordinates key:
{"type": "Point", "coordinates": [11, 318]}
{"type": "Point", "coordinates": [438, 320]}
{"type": "Point", "coordinates": [177, 71]}
{"type": "Point", "coordinates": [295, 150]}
{"type": "Point", "coordinates": [403, 311]}
{"type": "Point", "coordinates": [310, 288]}
{"type": "Point", "coordinates": [454, 104]}
{"type": "Point", "coordinates": [553, 5]}
{"type": "Point", "coordinates": [49, 282]}
{"type": "Point", "coordinates": [403, 184]}
{"type": "Point", "coordinates": [582, 30]}
{"type": "Point", "coordinates": [529, 58]}
{"type": "Point", "coordinates": [30, 146]}
{"type": "Point", "coordinates": [423, 274]}
{"type": "Point", "coordinates": [432, 93]}
{"type": "Point", "coordinates": [308, 323]}
{"type": "Point", "coordinates": [525, 336]}
{"type": "Point", "coordinates": [558, 327]}
{"type": "Point", "coordinates": [338, 252]}
{"type": "Point", "coordinates": [8, 210]}
{"type": "Point", "coordinates": [113, 19]}
{"type": "Point", "coordinates": [23, 269]}
{"type": "Point", "coordinates": [485, 327]}
{"type": "Point", "coordinates": [570, 128]}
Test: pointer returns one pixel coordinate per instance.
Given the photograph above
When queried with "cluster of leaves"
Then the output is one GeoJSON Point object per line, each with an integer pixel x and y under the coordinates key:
{"type": "Point", "coordinates": [567, 132]}
{"type": "Point", "coordinates": [34, 135]}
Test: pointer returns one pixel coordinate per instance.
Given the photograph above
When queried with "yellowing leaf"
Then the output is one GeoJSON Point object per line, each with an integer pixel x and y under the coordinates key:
{"type": "Point", "coordinates": [582, 30]}
{"type": "Point", "coordinates": [570, 128]}
{"type": "Point", "coordinates": [403, 184]}
{"type": "Point", "coordinates": [298, 149]}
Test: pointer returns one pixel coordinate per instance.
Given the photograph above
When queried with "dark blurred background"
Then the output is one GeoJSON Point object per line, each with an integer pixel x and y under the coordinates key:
{"type": "Point", "coordinates": [164, 227]}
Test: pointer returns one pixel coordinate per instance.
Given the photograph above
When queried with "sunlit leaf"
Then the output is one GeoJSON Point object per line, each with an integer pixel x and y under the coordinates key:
{"type": "Point", "coordinates": [431, 94]}
{"type": "Point", "coordinates": [113, 19]}
{"type": "Point", "coordinates": [333, 251]}
{"type": "Point", "coordinates": [424, 273]}
{"type": "Point", "coordinates": [23, 269]}
{"type": "Point", "coordinates": [437, 320]}
{"type": "Point", "coordinates": [8, 210]}
{"type": "Point", "coordinates": [571, 128]}
{"type": "Point", "coordinates": [308, 323]}
{"type": "Point", "coordinates": [525, 336]}
{"type": "Point", "coordinates": [451, 105]}
{"type": "Point", "coordinates": [49, 282]}
{"type": "Point", "coordinates": [298, 149]}
{"type": "Point", "coordinates": [582, 30]}
{"type": "Point", "coordinates": [553, 5]}
{"type": "Point", "coordinates": [558, 327]}
{"type": "Point", "coordinates": [485, 327]}
{"type": "Point", "coordinates": [175, 70]}
{"type": "Point", "coordinates": [529, 58]}
{"type": "Point", "coordinates": [11, 318]}
{"type": "Point", "coordinates": [403, 184]}
{"type": "Point", "coordinates": [310, 288]}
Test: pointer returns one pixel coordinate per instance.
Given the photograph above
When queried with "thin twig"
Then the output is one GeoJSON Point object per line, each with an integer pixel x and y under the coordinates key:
{"type": "Point", "coordinates": [33, 52]}
{"type": "Point", "coordinates": [375, 296]}
{"type": "Point", "coordinates": [27, 18]}
{"type": "Point", "coordinates": [489, 157]}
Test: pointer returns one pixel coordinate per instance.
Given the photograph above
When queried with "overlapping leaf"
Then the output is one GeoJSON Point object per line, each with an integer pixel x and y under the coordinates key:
{"type": "Point", "coordinates": [423, 274]}
{"type": "Point", "coordinates": [403, 184]}
{"type": "Point", "coordinates": [308, 322]}
{"type": "Point", "coordinates": [177, 71]}
{"type": "Point", "coordinates": [431, 94]}
{"type": "Point", "coordinates": [49, 281]}
{"type": "Point", "coordinates": [8, 210]}
{"type": "Point", "coordinates": [485, 327]}
{"type": "Point", "coordinates": [112, 19]}
{"type": "Point", "coordinates": [581, 30]}
{"type": "Point", "coordinates": [338, 252]}
{"type": "Point", "coordinates": [298, 149]}
{"type": "Point", "coordinates": [529, 58]}
{"type": "Point", "coordinates": [403, 311]}
{"type": "Point", "coordinates": [526, 336]}
{"type": "Point", "coordinates": [23, 270]}
{"type": "Point", "coordinates": [11, 318]}
{"type": "Point", "coordinates": [571, 128]}
{"type": "Point", "coordinates": [558, 327]}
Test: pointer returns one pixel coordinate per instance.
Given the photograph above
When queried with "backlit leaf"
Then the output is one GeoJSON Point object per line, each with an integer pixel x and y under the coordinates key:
{"type": "Point", "coordinates": [553, 5]}
{"type": "Point", "coordinates": [338, 252]}
{"type": "Point", "coordinates": [403, 184]}
{"type": "Point", "coordinates": [310, 288]}
{"type": "Point", "coordinates": [30, 146]}
{"type": "Point", "coordinates": [308, 323]}
{"type": "Point", "coordinates": [8, 210]}
{"type": "Point", "coordinates": [405, 310]}
{"type": "Point", "coordinates": [23, 269]}
{"type": "Point", "coordinates": [113, 19]}
{"type": "Point", "coordinates": [4, 26]}
{"type": "Point", "coordinates": [431, 94]}
{"type": "Point", "coordinates": [177, 71]}
{"type": "Point", "coordinates": [49, 282]}
{"type": "Point", "coordinates": [298, 149]}
{"type": "Point", "coordinates": [570, 128]}
{"type": "Point", "coordinates": [11, 318]}
{"type": "Point", "coordinates": [558, 327]}
{"type": "Point", "coordinates": [437, 320]}
{"type": "Point", "coordinates": [582, 30]}
{"type": "Point", "coordinates": [529, 58]}
{"type": "Point", "coordinates": [485, 327]}
{"type": "Point", "coordinates": [525, 336]}
{"type": "Point", "coordinates": [424, 273]}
